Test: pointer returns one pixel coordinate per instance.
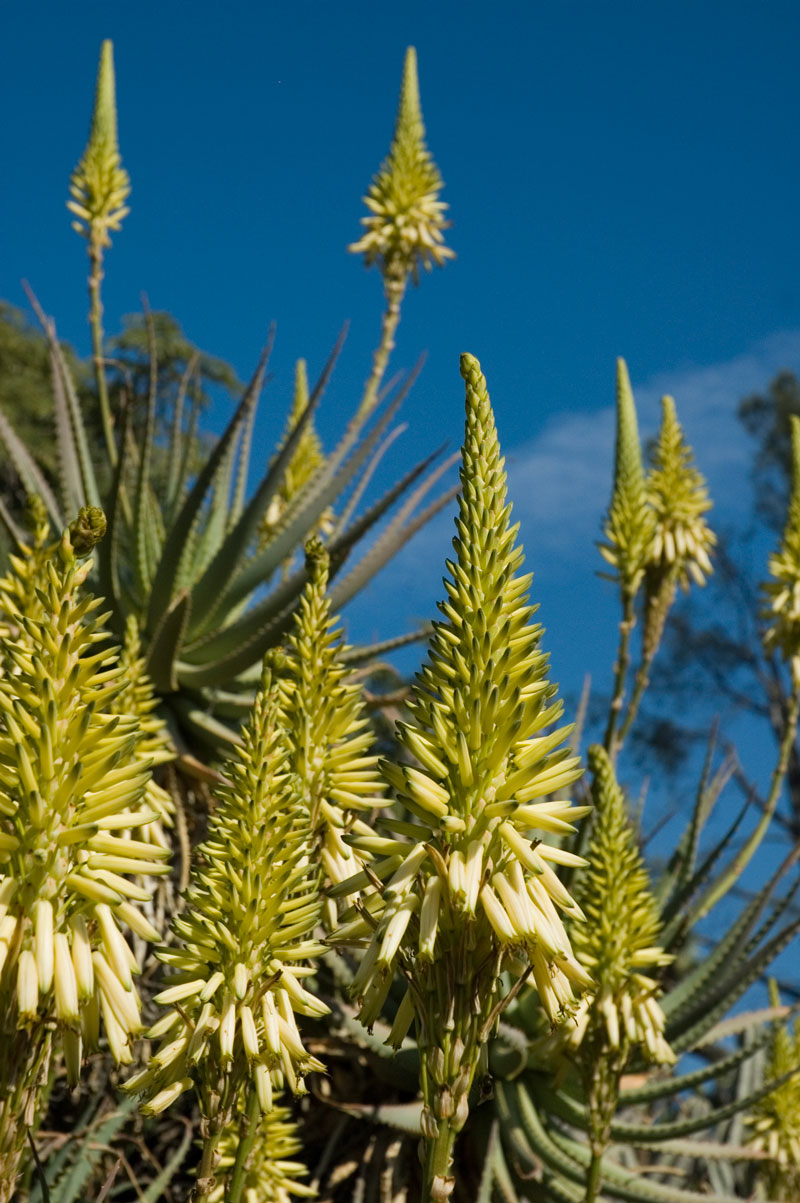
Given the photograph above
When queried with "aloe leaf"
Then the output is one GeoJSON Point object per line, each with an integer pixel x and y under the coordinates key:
{"type": "Point", "coordinates": [174, 457]}
{"type": "Point", "coordinates": [16, 533]}
{"type": "Point", "coordinates": [663, 1089]}
{"type": "Point", "coordinates": [744, 1022]}
{"type": "Point", "coordinates": [205, 730]}
{"type": "Point", "coordinates": [65, 395]}
{"type": "Point", "coordinates": [365, 653]}
{"type": "Point", "coordinates": [684, 995]}
{"type": "Point", "coordinates": [675, 887]}
{"type": "Point", "coordinates": [652, 1133]}
{"type": "Point", "coordinates": [141, 559]}
{"type": "Point", "coordinates": [706, 1149]}
{"type": "Point", "coordinates": [395, 537]}
{"type": "Point", "coordinates": [69, 472]}
{"type": "Point", "coordinates": [327, 483]}
{"type": "Point", "coordinates": [155, 1191]}
{"type": "Point", "coordinates": [242, 470]}
{"type": "Point", "coordinates": [366, 477]}
{"type": "Point", "coordinates": [690, 1037]}
{"type": "Point", "coordinates": [165, 645]}
{"type": "Point", "coordinates": [73, 1185]}
{"type": "Point", "coordinates": [175, 546]}
{"type": "Point", "coordinates": [403, 1117]}
{"type": "Point", "coordinates": [682, 923]}
{"type": "Point", "coordinates": [32, 479]}
{"type": "Point", "coordinates": [233, 550]}
{"type": "Point", "coordinates": [204, 658]}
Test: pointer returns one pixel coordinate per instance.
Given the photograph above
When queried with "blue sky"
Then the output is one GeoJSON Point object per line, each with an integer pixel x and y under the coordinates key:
{"type": "Point", "coordinates": [623, 179]}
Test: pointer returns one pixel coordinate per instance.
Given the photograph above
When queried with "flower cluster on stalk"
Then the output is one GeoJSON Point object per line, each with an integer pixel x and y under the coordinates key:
{"type": "Point", "coordinates": [100, 186]}
{"type": "Point", "coordinates": [782, 633]}
{"type": "Point", "coordinates": [244, 939]}
{"type": "Point", "coordinates": [72, 788]}
{"type": "Point", "coordinates": [470, 888]}
{"type": "Point", "coordinates": [404, 229]}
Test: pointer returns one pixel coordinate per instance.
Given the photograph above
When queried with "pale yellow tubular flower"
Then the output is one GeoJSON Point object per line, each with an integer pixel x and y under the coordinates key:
{"type": "Point", "coordinates": [249, 917]}
{"type": "Point", "coordinates": [457, 912]}
{"type": "Point", "coordinates": [405, 226]}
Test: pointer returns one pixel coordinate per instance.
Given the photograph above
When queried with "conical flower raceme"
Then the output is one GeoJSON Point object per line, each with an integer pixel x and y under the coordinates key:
{"type": "Point", "coordinates": [404, 229]}
{"type": "Point", "coordinates": [72, 787]}
{"type": "Point", "coordinates": [682, 539]}
{"type": "Point", "coordinates": [783, 591]}
{"type": "Point", "coordinates": [470, 885]}
{"type": "Point", "coordinates": [137, 698]}
{"type": "Point", "coordinates": [679, 496]}
{"type": "Point", "coordinates": [100, 186]}
{"type": "Point", "coordinates": [245, 940]}
{"type": "Point", "coordinates": [273, 1174]}
{"type": "Point", "coordinates": [330, 736]}
{"type": "Point", "coordinates": [619, 941]}
{"type": "Point", "coordinates": [629, 528]}
{"type": "Point", "coordinates": [776, 1121]}
{"type": "Point", "coordinates": [307, 458]}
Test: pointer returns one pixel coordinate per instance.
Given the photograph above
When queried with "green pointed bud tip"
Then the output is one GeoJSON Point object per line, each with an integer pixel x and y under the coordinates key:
{"type": "Point", "coordinates": [87, 530]}
{"type": "Point", "coordinates": [104, 116]}
{"type": "Point", "coordinates": [410, 109]}
{"type": "Point", "coordinates": [317, 559]}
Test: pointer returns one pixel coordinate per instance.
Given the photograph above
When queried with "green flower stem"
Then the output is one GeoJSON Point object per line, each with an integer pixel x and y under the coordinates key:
{"type": "Point", "coordinates": [24, 1069]}
{"type": "Point", "coordinates": [437, 1181]}
{"type": "Point", "coordinates": [745, 855]}
{"type": "Point", "coordinates": [612, 741]}
{"type": "Point", "coordinates": [244, 1149]}
{"type": "Point", "coordinates": [96, 323]}
{"type": "Point", "coordinates": [395, 289]}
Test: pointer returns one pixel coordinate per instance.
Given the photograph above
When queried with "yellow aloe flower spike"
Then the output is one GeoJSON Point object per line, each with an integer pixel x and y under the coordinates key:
{"type": "Point", "coordinates": [619, 941]}
{"type": "Point", "coordinates": [470, 886]}
{"type": "Point", "coordinates": [630, 525]}
{"type": "Point", "coordinates": [245, 940]}
{"type": "Point", "coordinates": [783, 591]}
{"type": "Point", "coordinates": [100, 186]}
{"type": "Point", "coordinates": [404, 229]}
{"type": "Point", "coordinates": [71, 788]}
{"type": "Point", "coordinates": [776, 1121]}
{"type": "Point", "coordinates": [329, 734]}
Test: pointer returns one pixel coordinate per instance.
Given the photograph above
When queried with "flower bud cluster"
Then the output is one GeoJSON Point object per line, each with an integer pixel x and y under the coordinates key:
{"type": "Point", "coordinates": [329, 734]}
{"type": "Point", "coordinates": [619, 941]}
{"type": "Point", "coordinates": [72, 788]}
{"type": "Point", "coordinates": [245, 937]}
{"type": "Point", "coordinates": [100, 185]}
{"type": "Point", "coordinates": [404, 229]}
{"type": "Point", "coordinates": [469, 882]}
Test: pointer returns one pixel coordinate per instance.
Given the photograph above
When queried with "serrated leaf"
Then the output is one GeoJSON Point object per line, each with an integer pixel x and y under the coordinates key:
{"type": "Point", "coordinates": [165, 645]}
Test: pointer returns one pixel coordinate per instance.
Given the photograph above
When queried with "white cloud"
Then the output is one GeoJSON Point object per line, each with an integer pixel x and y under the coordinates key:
{"type": "Point", "coordinates": [561, 480]}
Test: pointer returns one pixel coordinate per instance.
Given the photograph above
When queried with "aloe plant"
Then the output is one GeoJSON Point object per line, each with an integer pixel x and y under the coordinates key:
{"type": "Point", "coordinates": [201, 563]}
